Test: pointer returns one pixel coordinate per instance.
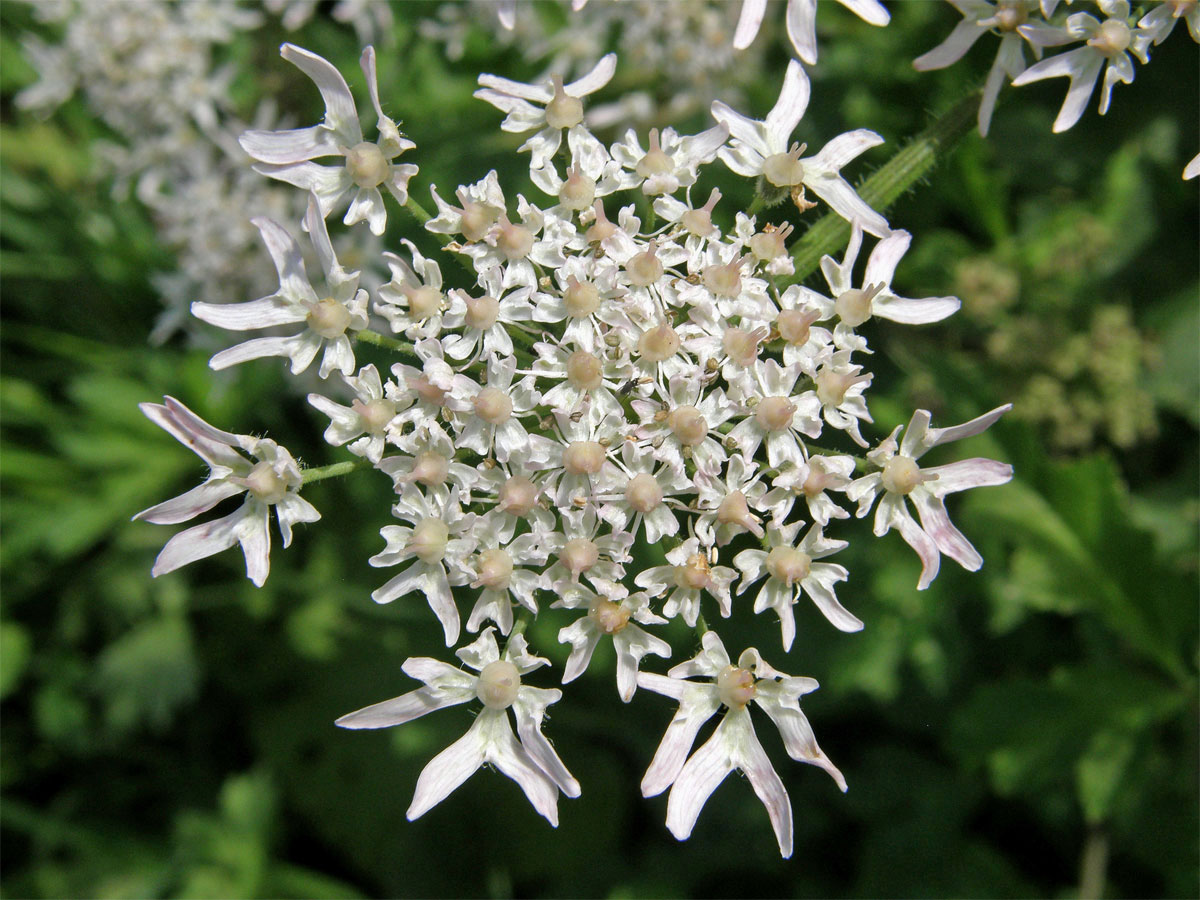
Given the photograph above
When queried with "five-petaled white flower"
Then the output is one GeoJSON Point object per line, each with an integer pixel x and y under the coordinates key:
{"type": "Point", "coordinates": [733, 745]}
{"type": "Point", "coordinates": [801, 23]}
{"type": "Point", "coordinates": [761, 148]}
{"type": "Point", "coordinates": [288, 155]}
{"type": "Point", "coordinates": [271, 478]}
{"type": "Point", "coordinates": [530, 761]}
{"type": "Point", "coordinates": [901, 477]}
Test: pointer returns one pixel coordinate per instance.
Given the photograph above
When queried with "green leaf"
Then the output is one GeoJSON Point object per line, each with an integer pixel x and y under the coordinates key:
{"type": "Point", "coordinates": [14, 656]}
{"type": "Point", "coordinates": [146, 675]}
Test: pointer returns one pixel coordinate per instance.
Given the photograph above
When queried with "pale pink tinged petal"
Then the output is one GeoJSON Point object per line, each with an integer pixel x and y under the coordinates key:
{"type": "Point", "coordinates": [254, 534]}
{"type": "Point", "coordinates": [407, 582]}
{"type": "Point", "coordinates": [429, 670]}
{"type": "Point", "coordinates": [752, 759]}
{"type": "Point", "coordinates": [314, 224]}
{"type": "Point", "coordinates": [742, 159]}
{"type": "Point", "coordinates": [188, 506]}
{"type": "Point", "coordinates": [504, 752]}
{"type": "Point", "coordinates": [1078, 94]}
{"type": "Point", "coordinates": [915, 537]}
{"type": "Point", "coordinates": [827, 602]}
{"type": "Point", "coordinates": [661, 684]}
{"type": "Point", "coordinates": [842, 149]}
{"type": "Point", "coordinates": [789, 109]}
{"type": "Point", "coordinates": [210, 444]}
{"type": "Point", "coordinates": [914, 312]}
{"type": "Point", "coordinates": [801, 21]}
{"type": "Point", "coordinates": [254, 349]}
{"type": "Point", "coordinates": [741, 128]}
{"type": "Point", "coordinates": [967, 473]}
{"type": "Point", "coordinates": [749, 21]}
{"type": "Point", "coordinates": [264, 313]}
{"type": "Point", "coordinates": [600, 75]}
{"type": "Point", "coordinates": [198, 542]}
{"type": "Point", "coordinates": [400, 709]}
{"type": "Point", "coordinates": [951, 50]}
{"type": "Point", "coordinates": [368, 205]}
{"type": "Point", "coordinates": [441, 601]}
{"type": "Point", "coordinates": [449, 769]}
{"type": "Point", "coordinates": [797, 734]}
{"type": "Point", "coordinates": [583, 637]}
{"type": "Point", "coordinates": [976, 426]}
{"type": "Point", "coordinates": [870, 11]}
{"type": "Point", "coordinates": [493, 85]}
{"type": "Point", "coordinates": [284, 147]}
{"type": "Point", "coordinates": [935, 521]}
{"type": "Point", "coordinates": [631, 644]}
{"type": "Point", "coordinates": [331, 184]}
{"type": "Point", "coordinates": [340, 113]}
{"type": "Point", "coordinates": [881, 265]}
{"type": "Point", "coordinates": [700, 776]}
{"type": "Point", "coordinates": [289, 261]}
{"type": "Point", "coordinates": [843, 200]}
{"type": "Point", "coordinates": [529, 711]}
{"type": "Point", "coordinates": [696, 708]}
{"type": "Point", "coordinates": [293, 509]}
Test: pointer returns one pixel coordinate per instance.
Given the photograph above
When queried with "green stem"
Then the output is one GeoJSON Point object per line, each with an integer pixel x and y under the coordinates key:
{"type": "Point", "coordinates": [334, 470]}
{"type": "Point", "coordinates": [382, 340]}
{"type": "Point", "coordinates": [883, 187]}
{"type": "Point", "coordinates": [701, 626]}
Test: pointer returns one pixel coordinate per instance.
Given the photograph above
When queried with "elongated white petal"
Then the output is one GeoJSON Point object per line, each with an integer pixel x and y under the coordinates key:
{"type": "Point", "coordinates": [952, 49]}
{"type": "Point", "coordinates": [699, 777]}
{"type": "Point", "coordinates": [633, 643]}
{"type": "Point", "coordinates": [935, 522]}
{"type": "Point", "coordinates": [583, 636]}
{"type": "Point", "coordinates": [870, 11]}
{"type": "Point", "coordinates": [187, 506]}
{"type": "Point", "coordinates": [289, 261]}
{"type": "Point", "coordinates": [214, 446]}
{"type": "Point", "coordinates": [751, 758]}
{"type": "Point", "coordinates": [198, 542]}
{"type": "Point", "coordinates": [401, 709]}
{"type": "Point", "coordinates": [450, 768]}
{"type": "Point", "coordinates": [789, 109]}
{"type": "Point", "coordinates": [749, 22]}
{"type": "Point", "coordinates": [290, 510]}
{"type": "Point", "coordinates": [265, 313]}
{"type": "Point", "coordinates": [600, 75]}
{"type": "Point", "coordinates": [801, 22]}
{"type": "Point", "coordinates": [698, 704]}
{"type": "Point", "coordinates": [340, 113]}
{"type": "Point", "coordinates": [967, 473]}
{"type": "Point", "coordinates": [529, 711]}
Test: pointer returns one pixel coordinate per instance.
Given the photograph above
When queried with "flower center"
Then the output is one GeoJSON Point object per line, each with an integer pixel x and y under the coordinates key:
{"type": "Point", "coordinates": [578, 191]}
{"type": "Point", "coordinates": [482, 312]}
{"type": "Point", "coordinates": [794, 325]}
{"type": "Point", "coordinates": [495, 568]}
{"type": "Point", "coordinates": [789, 565]}
{"type": "Point", "coordinates": [785, 169]}
{"type": "Point", "coordinates": [854, 306]}
{"type": "Point", "coordinates": [643, 493]}
{"type": "Point", "coordinates": [429, 540]}
{"type": "Point", "coordinates": [655, 162]}
{"type": "Point", "coordinates": [579, 555]}
{"type": "Point", "coordinates": [581, 298]}
{"type": "Point", "coordinates": [427, 391]}
{"type": "Point", "coordinates": [514, 241]}
{"type": "Point", "coordinates": [584, 370]}
{"type": "Point", "coordinates": [694, 573]}
{"type": "Point", "coordinates": [735, 686]}
{"type": "Point", "coordinates": [423, 301]}
{"type": "Point", "coordinates": [517, 496]}
{"type": "Point", "coordinates": [768, 244]}
{"type": "Point", "coordinates": [265, 483]}
{"type": "Point", "coordinates": [430, 468]}
{"type": "Point", "coordinates": [601, 229]}
{"type": "Point", "coordinates": [583, 457]}
{"type": "Point", "coordinates": [726, 280]}
{"type": "Point", "coordinates": [476, 219]}
{"type": "Point", "coordinates": [1010, 15]}
{"type": "Point", "coordinates": [816, 481]}
{"type": "Point", "coordinates": [688, 425]}
{"type": "Point", "coordinates": [659, 343]}
{"type": "Point", "coordinates": [643, 269]}
{"type": "Point", "coordinates": [832, 386]}
{"type": "Point", "coordinates": [609, 617]}
{"type": "Point", "coordinates": [367, 165]}
{"type": "Point", "coordinates": [741, 346]}
{"type": "Point", "coordinates": [563, 111]}
{"type": "Point", "coordinates": [775, 413]}
{"type": "Point", "coordinates": [375, 415]}
{"type": "Point", "coordinates": [498, 684]}
{"type": "Point", "coordinates": [328, 318]}
{"type": "Point", "coordinates": [1112, 38]}
{"type": "Point", "coordinates": [493, 406]}
{"type": "Point", "coordinates": [901, 475]}
{"type": "Point", "coordinates": [734, 511]}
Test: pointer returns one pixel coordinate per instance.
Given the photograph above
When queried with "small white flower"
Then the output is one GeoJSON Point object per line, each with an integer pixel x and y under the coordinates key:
{"type": "Point", "coordinates": [287, 155]}
{"type": "Point", "coordinates": [791, 569]}
{"type": "Point", "coordinates": [690, 574]}
{"type": "Point", "coordinates": [1105, 49]}
{"type": "Point", "coordinates": [371, 415]}
{"type": "Point", "coordinates": [271, 478]}
{"type": "Point", "coordinates": [672, 161]}
{"type": "Point", "coordinates": [610, 613]}
{"type": "Point", "coordinates": [733, 745]}
{"type": "Point", "coordinates": [413, 300]}
{"type": "Point", "coordinates": [530, 761]}
{"type": "Point", "coordinates": [901, 477]}
{"type": "Point", "coordinates": [327, 319]}
{"type": "Point", "coordinates": [547, 108]}
{"type": "Point", "coordinates": [761, 148]}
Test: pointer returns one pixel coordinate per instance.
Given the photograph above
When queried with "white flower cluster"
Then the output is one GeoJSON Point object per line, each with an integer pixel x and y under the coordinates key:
{"type": "Point", "coordinates": [602, 379]}
{"type": "Point", "coordinates": [1109, 46]}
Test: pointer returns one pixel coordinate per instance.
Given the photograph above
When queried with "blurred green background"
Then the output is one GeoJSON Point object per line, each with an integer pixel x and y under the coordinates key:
{"type": "Point", "coordinates": [1013, 732]}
